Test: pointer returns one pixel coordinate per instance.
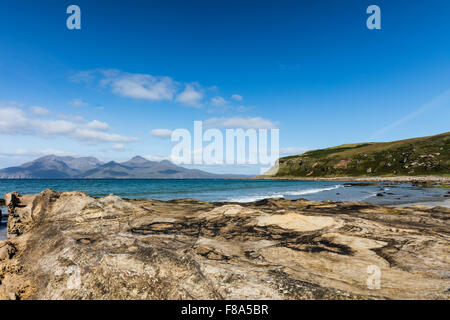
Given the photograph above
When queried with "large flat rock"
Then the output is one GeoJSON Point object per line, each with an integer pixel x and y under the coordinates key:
{"type": "Point", "coordinates": [72, 246]}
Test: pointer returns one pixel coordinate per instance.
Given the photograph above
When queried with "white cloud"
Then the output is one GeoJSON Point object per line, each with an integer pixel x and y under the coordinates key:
{"type": "Point", "coordinates": [24, 152]}
{"type": "Point", "coordinates": [149, 87]}
{"type": "Point", "coordinates": [11, 104]}
{"type": "Point", "coordinates": [158, 158]}
{"type": "Point", "coordinates": [53, 127]}
{"type": "Point", "coordinates": [95, 136]}
{"type": "Point", "coordinates": [98, 125]}
{"type": "Point", "coordinates": [78, 103]}
{"type": "Point", "coordinates": [71, 117]}
{"type": "Point", "coordinates": [220, 105]}
{"type": "Point", "coordinates": [238, 122]}
{"type": "Point", "coordinates": [13, 121]}
{"type": "Point", "coordinates": [236, 97]}
{"type": "Point", "coordinates": [141, 86]}
{"type": "Point", "coordinates": [218, 101]}
{"type": "Point", "coordinates": [131, 85]}
{"type": "Point", "coordinates": [190, 96]}
{"type": "Point", "coordinates": [39, 110]}
{"type": "Point", "coordinates": [161, 133]}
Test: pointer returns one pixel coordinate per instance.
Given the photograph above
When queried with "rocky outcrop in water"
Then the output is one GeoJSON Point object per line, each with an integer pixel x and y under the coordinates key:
{"type": "Point", "coordinates": [72, 246]}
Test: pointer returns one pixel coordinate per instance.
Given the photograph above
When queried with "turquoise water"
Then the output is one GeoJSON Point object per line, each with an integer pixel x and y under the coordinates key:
{"type": "Point", "coordinates": [229, 190]}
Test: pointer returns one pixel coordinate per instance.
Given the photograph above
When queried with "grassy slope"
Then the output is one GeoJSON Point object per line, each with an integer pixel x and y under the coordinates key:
{"type": "Point", "coordinates": [419, 156]}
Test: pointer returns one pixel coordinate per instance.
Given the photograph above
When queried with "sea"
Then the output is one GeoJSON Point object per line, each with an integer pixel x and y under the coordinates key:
{"type": "Point", "coordinates": [384, 193]}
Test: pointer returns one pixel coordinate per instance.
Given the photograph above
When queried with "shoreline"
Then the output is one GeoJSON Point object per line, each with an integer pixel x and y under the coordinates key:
{"type": "Point", "coordinates": [423, 181]}
{"type": "Point", "coordinates": [400, 179]}
{"type": "Point", "coordinates": [429, 204]}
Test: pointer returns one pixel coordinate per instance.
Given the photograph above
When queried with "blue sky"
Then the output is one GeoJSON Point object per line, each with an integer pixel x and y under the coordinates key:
{"type": "Point", "coordinates": [310, 68]}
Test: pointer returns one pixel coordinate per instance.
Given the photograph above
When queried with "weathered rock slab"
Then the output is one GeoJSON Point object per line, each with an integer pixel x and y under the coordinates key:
{"type": "Point", "coordinates": [72, 246]}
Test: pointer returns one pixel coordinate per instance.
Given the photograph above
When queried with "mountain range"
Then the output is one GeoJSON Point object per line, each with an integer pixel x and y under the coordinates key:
{"type": "Point", "coordinates": [56, 167]}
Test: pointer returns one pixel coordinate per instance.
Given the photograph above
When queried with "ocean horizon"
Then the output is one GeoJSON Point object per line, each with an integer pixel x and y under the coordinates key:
{"type": "Point", "coordinates": [231, 190]}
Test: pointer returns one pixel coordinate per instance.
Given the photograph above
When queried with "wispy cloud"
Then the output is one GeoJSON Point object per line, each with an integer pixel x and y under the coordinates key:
{"type": "Point", "coordinates": [78, 103]}
{"type": "Point", "coordinates": [161, 133]}
{"type": "Point", "coordinates": [222, 105]}
{"type": "Point", "coordinates": [40, 110]}
{"type": "Point", "coordinates": [118, 147]}
{"type": "Point", "coordinates": [156, 88]}
{"type": "Point", "coordinates": [236, 97]}
{"type": "Point", "coordinates": [440, 101]}
{"type": "Point", "coordinates": [141, 86]}
{"type": "Point", "coordinates": [71, 117]}
{"type": "Point", "coordinates": [131, 85]}
{"type": "Point", "coordinates": [25, 153]}
{"type": "Point", "coordinates": [218, 101]}
{"type": "Point", "coordinates": [98, 125]}
{"type": "Point", "coordinates": [151, 88]}
{"type": "Point", "coordinates": [14, 121]}
{"type": "Point", "coordinates": [240, 122]}
{"type": "Point", "coordinates": [191, 96]}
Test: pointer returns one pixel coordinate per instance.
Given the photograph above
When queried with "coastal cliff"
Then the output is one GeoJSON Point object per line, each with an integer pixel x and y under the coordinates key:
{"type": "Point", "coordinates": [72, 246]}
{"type": "Point", "coordinates": [426, 156]}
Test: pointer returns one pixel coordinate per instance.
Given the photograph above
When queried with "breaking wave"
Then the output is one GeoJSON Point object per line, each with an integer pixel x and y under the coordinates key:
{"type": "Point", "coordinates": [310, 191]}
{"type": "Point", "coordinates": [278, 195]}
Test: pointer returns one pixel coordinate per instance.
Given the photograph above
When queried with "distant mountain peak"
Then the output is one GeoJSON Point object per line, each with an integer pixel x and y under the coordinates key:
{"type": "Point", "coordinates": [53, 157]}
{"type": "Point", "coordinates": [138, 161]}
{"type": "Point", "coordinates": [56, 167]}
{"type": "Point", "coordinates": [110, 163]}
{"type": "Point", "coordinates": [138, 158]}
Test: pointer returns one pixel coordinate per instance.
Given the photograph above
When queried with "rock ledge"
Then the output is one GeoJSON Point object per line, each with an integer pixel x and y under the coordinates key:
{"type": "Point", "coordinates": [72, 246]}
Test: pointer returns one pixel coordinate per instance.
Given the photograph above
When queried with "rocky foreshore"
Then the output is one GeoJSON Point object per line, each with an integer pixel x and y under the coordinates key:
{"type": "Point", "coordinates": [399, 179]}
{"type": "Point", "coordinates": [72, 246]}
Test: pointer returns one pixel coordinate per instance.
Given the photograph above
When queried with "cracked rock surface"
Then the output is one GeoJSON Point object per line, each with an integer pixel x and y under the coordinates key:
{"type": "Point", "coordinates": [72, 246]}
